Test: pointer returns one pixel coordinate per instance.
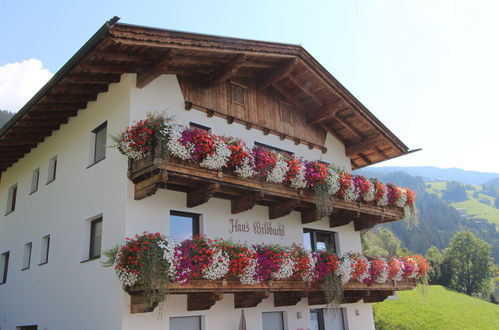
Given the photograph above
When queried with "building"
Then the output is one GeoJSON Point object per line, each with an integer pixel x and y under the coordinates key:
{"type": "Point", "coordinates": [68, 197]}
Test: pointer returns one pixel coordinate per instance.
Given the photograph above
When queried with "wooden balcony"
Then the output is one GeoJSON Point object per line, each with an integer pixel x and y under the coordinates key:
{"type": "Point", "coordinates": [201, 184]}
{"type": "Point", "coordinates": [202, 294]}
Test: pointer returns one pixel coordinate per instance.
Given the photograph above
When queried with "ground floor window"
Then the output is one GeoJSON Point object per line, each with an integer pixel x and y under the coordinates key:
{"type": "Point", "coordinates": [185, 323]}
{"type": "Point", "coordinates": [331, 319]}
{"type": "Point", "coordinates": [273, 321]}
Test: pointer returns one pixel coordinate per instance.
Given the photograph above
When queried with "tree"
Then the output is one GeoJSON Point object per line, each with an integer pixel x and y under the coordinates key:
{"type": "Point", "coordinates": [382, 243]}
{"type": "Point", "coordinates": [435, 259]}
{"type": "Point", "coordinates": [455, 192]}
{"type": "Point", "coordinates": [470, 264]}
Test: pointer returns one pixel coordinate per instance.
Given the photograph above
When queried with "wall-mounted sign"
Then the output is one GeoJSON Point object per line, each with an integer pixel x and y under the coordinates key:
{"type": "Point", "coordinates": [257, 227]}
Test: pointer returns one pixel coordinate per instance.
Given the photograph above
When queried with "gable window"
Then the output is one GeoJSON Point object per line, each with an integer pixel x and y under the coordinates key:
{"type": "Point", "coordinates": [185, 323]}
{"type": "Point", "coordinates": [44, 251]}
{"type": "Point", "coordinates": [35, 177]}
{"type": "Point", "coordinates": [183, 225]}
{"type": "Point", "coordinates": [4, 266]}
{"type": "Point", "coordinates": [238, 94]}
{"type": "Point", "coordinates": [11, 199]}
{"type": "Point", "coordinates": [95, 238]}
{"type": "Point", "coordinates": [286, 112]}
{"type": "Point", "coordinates": [52, 169]}
{"type": "Point", "coordinates": [273, 321]}
{"type": "Point", "coordinates": [200, 127]}
{"type": "Point", "coordinates": [319, 240]}
{"type": "Point", "coordinates": [334, 319]}
{"type": "Point", "coordinates": [99, 136]}
{"type": "Point", "coordinates": [27, 256]}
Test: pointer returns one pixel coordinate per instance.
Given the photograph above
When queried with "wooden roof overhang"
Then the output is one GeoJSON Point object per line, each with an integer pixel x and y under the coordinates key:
{"type": "Point", "coordinates": [116, 49]}
{"type": "Point", "coordinates": [203, 294]}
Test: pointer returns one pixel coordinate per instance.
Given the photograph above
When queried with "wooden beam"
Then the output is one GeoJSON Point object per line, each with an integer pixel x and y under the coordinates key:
{"type": "Point", "coordinates": [19, 141]}
{"type": "Point", "coordinates": [308, 215]}
{"type": "Point", "coordinates": [202, 194]}
{"type": "Point", "coordinates": [290, 298]}
{"type": "Point", "coordinates": [377, 296]}
{"type": "Point", "coordinates": [249, 299]}
{"type": "Point", "coordinates": [227, 71]}
{"type": "Point", "coordinates": [64, 98]}
{"type": "Point", "coordinates": [303, 86]}
{"type": "Point", "coordinates": [41, 122]}
{"type": "Point", "coordinates": [288, 96]}
{"type": "Point", "coordinates": [51, 114]}
{"type": "Point", "coordinates": [154, 70]}
{"type": "Point", "coordinates": [282, 209]}
{"type": "Point", "coordinates": [245, 202]}
{"type": "Point", "coordinates": [108, 68]}
{"type": "Point", "coordinates": [339, 218]}
{"type": "Point", "coordinates": [17, 129]}
{"type": "Point", "coordinates": [326, 112]}
{"type": "Point", "coordinates": [202, 301]}
{"type": "Point", "coordinates": [316, 298]}
{"type": "Point", "coordinates": [63, 88]}
{"type": "Point", "coordinates": [80, 78]}
{"type": "Point", "coordinates": [59, 106]}
{"type": "Point", "coordinates": [363, 225]}
{"type": "Point", "coordinates": [351, 297]}
{"type": "Point", "coordinates": [280, 73]}
{"type": "Point", "coordinates": [348, 126]}
{"type": "Point", "coordinates": [141, 304]}
{"type": "Point", "coordinates": [365, 144]}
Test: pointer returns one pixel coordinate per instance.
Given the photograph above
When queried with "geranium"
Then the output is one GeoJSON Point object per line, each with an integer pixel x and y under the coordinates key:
{"type": "Point", "coordinates": [218, 266]}
{"type": "Point", "coordinates": [264, 160]}
{"type": "Point", "coordinates": [175, 147]}
{"type": "Point", "coordinates": [360, 266]}
{"type": "Point", "coordinates": [269, 260]}
{"type": "Point", "coordinates": [277, 173]}
{"type": "Point", "coordinates": [193, 256]}
{"type": "Point", "coordinates": [378, 271]}
{"type": "Point", "coordinates": [218, 158]}
{"type": "Point", "coordinates": [381, 193]}
{"type": "Point", "coordinates": [396, 269]}
{"type": "Point", "coordinates": [315, 173]}
{"type": "Point", "coordinates": [325, 264]}
{"type": "Point", "coordinates": [333, 182]}
{"type": "Point", "coordinates": [238, 152]}
{"type": "Point", "coordinates": [346, 267]}
{"type": "Point", "coordinates": [347, 191]}
{"type": "Point", "coordinates": [422, 264]}
{"type": "Point", "coordinates": [410, 267]}
{"type": "Point", "coordinates": [239, 257]}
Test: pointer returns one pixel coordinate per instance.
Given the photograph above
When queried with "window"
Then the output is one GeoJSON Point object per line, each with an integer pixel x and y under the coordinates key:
{"type": "Point", "coordinates": [34, 180]}
{"type": "Point", "coordinates": [266, 146]}
{"type": "Point", "coordinates": [99, 136]}
{"type": "Point", "coordinates": [333, 319]}
{"type": "Point", "coordinates": [4, 266]}
{"type": "Point", "coordinates": [286, 112]}
{"type": "Point", "coordinates": [185, 323]}
{"type": "Point", "coordinates": [95, 238]}
{"type": "Point", "coordinates": [317, 240]}
{"type": "Point", "coordinates": [27, 256]}
{"type": "Point", "coordinates": [11, 199]}
{"type": "Point", "coordinates": [199, 127]}
{"type": "Point", "coordinates": [27, 327]}
{"type": "Point", "coordinates": [238, 92]}
{"type": "Point", "coordinates": [273, 321]}
{"type": "Point", "coordinates": [52, 169]}
{"type": "Point", "coordinates": [44, 252]}
{"type": "Point", "coordinates": [183, 225]}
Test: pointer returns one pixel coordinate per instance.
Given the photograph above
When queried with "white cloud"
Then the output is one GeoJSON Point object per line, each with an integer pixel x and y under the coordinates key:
{"type": "Point", "coordinates": [20, 81]}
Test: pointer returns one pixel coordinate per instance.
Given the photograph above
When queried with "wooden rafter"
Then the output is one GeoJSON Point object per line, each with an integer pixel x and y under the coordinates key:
{"type": "Point", "coordinates": [280, 73]}
{"type": "Point", "coordinates": [363, 145]}
{"type": "Point", "coordinates": [326, 112]}
{"type": "Point", "coordinates": [228, 70]}
{"type": "Point", "coordinates": [290, 97]}
{"type": "Point", "coordinates": [108, 68]}
{"type": "Point", "coordinates": [305, 89]}
{"type": "Point", "coordinates": [59, 106]}
{"type": "Point", "coordinates": [154, 70]}
{"type": "Point", "coordinates": [94, 78]}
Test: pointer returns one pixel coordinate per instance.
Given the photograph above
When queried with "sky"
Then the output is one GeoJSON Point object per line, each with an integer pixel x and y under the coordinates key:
{"type": "Point", "coordinates": [428, 69]}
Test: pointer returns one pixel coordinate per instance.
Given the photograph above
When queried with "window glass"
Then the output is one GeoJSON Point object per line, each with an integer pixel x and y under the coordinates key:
{"type": "Point", "coordinates": [4, 266]}
{"type": "Point", "coordinates": [100, 134]}
{"type": "Point", "coordinates": [12, 199]}
{"type": "Point", "coordinates": [318, 240]}
{"type": "Point", "coordinates": [185, 323]}
{"type": "Point", "coordinates": [333, 319]}
{"type": "Point", "coordinates": [273, 321]}
{"type": "Point", "coordinates": [44, 253]}
{"type": "Point", "coordinates": [27, 255]}
{"type": "Point", "coordinates": [95, 238]}
{"type": "Point", "coordinates": [52, 169]}
{"type": "Point", "coordinates": [315, 320]}
{"type": "Point", "coordinates": [183, 225]}
{"type": "Point", "coordinates": [34, 180]}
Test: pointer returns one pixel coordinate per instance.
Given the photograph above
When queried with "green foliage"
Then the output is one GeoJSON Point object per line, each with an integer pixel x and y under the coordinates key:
{"type": "Point", "coordinates": [5, 116]}
{"type": "Point", "coordinates": [469, 263]}
{"type": "Point", "coordinates": [381, 243]}
{"type": "Point", "coordinates": [438, 308]}
{"type": "Point", "coordinates": [435, 259]}
{"type": "Point", "coordinates": [455, 192]}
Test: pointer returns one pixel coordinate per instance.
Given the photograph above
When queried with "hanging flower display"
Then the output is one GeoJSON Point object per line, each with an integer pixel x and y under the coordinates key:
{"type": "Point", "coordinates": [396, 270]}
{"type": "Point", "coordinates": [348, 191]}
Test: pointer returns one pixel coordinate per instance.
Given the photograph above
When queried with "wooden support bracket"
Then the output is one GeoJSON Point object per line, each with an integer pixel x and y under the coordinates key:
{"type": "Point", "coordinates": [227, 71]}
{"type": "Point", "coordinates": [249, 299]}
{"type": "Point", "coordinates": [279, 74]}
{"type": "Point", "coordinates": [141, 304]}
{"type": "Point", "coordinates": [377, 296]}
{"type": "Point", "coordinates": [308, 215]}
{"type": "Point", "coordinates": [245, 202]}
{"type": "Point", "coordinates": [202, 194]}
{"type": "Point", "coordinates": [290, 298]}
{"type": "Point", "coordinates": [151, 72]}
{"type": "Point", "coordinates": [282, 209]}
{"type": "Point", "coordinates": [339, 218]}
{"type": "Point", "coordinates": [202, 301]}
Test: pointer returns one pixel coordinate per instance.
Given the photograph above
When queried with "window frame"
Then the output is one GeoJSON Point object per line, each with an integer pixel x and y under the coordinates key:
{"type": "Point", "coordinates": [4, 258]}
{"type": "Point", "coordinates": [28, 265]}
{"type": "Point", "coordinates": [52, 170]}
{"type": "Point", "coordinates": [44, 257]}
{"type": "Point", "coordinates": [322, 323]}
{"type": "Point", "coordinates": [35, 188]}
{"type": "Point", "coordinates": [283, 317]}
{"type": "Point", "coordinates": [94, 146]}
{"type": "Point", "coordinates": [200, 127]}
{"type": "Point", "coordinates": [269, 147]}
{"type": "Point", "coordinates": [200, 318]}
{"type": "Point", "coordinates": [196, 220]}
{"type": "Point", "coordinates": [91, 253]}
{"type": "Point", "coordinates": [11, 199]}
{"type": "Point", "coordinates": [313, 238]}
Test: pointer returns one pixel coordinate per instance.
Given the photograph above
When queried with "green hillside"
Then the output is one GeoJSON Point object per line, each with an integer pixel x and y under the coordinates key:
{"type": "Point", "coordinates": [436, 308]}
{"type": "Point", "coordinates": [478, 204]}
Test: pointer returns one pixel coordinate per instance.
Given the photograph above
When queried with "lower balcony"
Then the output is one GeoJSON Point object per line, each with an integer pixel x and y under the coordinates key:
{"type": "Point", "coordinates": [203, 294]}
{"type": "Point", "coordinates": [201, 184]}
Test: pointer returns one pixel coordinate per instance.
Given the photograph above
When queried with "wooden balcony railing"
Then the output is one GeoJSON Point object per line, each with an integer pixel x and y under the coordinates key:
{"type": "Point", "coordinates": [202, 294]}
{"type": "Point", "coordinates": [201, 184]}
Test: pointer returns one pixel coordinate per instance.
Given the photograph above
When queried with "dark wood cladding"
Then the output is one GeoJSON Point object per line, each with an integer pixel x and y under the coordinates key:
{"type": "Point", "coordinates": [278, 88]}
{"type": "Point", "coordinates": [261, 107]}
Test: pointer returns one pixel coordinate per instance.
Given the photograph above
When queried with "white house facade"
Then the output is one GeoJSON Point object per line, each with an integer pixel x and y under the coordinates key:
{"type": "Point", "coordinates": [67, 198]}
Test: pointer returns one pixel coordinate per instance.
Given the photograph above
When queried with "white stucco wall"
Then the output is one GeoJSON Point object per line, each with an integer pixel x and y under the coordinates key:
{"type": "Point", "coordinates": [68, 294]}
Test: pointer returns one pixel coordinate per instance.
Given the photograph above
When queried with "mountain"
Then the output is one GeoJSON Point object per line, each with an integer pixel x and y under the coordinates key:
{"type": "Point", "coordinates": [431, 173]}
{"type": "Point", "coordinates": [438, 219]}
{"type": "Point", "coordinates": [5, 117]}
{"type": "Point", "coordinates": [494, 182]}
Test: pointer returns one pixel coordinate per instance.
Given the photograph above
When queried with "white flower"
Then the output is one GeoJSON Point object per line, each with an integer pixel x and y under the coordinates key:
{"type": "Point", "coordinates": [219, 158]}
{"type": "Point", "coordinates": [286, 270]}
{"type": "Point", "coordinates": [383, 201]}
{"type": "Point", "coordinates": [383, 276]}
{"type": "Point", "coordinates": [333, 182]}
{"type": "Point", "coordinates": [248, 275]}
{"type": "Point", "coordinates": [169, 255]}
{"type": "Point", "coordinates": [365, 274]}
{"type": "Point", "coordinates": [298, 181]}
{"type": "Point", "coordinates": [218, 267]}
{"type": "Point", "coordinates": [175, 147]}
{"type": "Point", "coordinates": [400, 273]}
{"type": "Point", "coordinates": [351, 193]}
{"type": "Point", "coordinates": [310, 276]}
{"type": "Point", "coordinates": [402, 200]}
{"type": "Point", "coordinates": [245, 170]}
{"type": "Point", "coordinates": [278, 172]}
{"type": "Point", "coordinates": [345, 268]}
{"type": "Point", "coordinates": [127, 278]}
{"type": "Point", "coordinates": [370, 194]}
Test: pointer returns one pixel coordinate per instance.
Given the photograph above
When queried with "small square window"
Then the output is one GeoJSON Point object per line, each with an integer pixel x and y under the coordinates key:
{"type": "Point", "coordinates": [27, 255]}
{"type": "Point", "coordinates": [183, 225]}
{"type": "Point", "coordinates": [52, 169]}
{"type": "Point", "coordinates": [35, 177]}
{"type": "Point", "coordinates": [273, 321]}
{"type": "Point", "coordinates": [200, 127]}
{"type": "Point", "coordinates": [319, 240]}
{"type": "Point", "coordinates": [4, 266]}
{"type": "Point", "coordinates": [99, 137]}
{"type": "Point", "coordinates": [238, 94]}
{"type": "Point", "coordinates": [44, 251]}
{"type": "Point", "coordinates": [11, 199]}
{"type": "Point", "coordinates": [95, 238]}
{"type": "Point", "coordinates": [185, 323]}
{"type": "Point", "coordinates": [335, 318]}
